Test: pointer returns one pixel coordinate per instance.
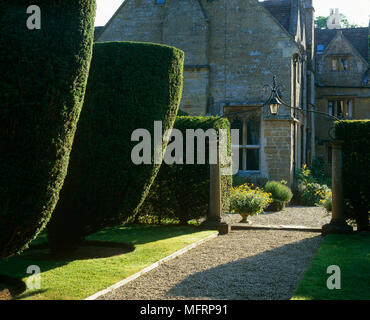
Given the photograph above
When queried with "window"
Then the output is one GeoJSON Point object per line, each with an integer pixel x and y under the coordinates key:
{"type": "Point", "coordinates": [249, 142]}
{"type": "Point", "coordinates": [320, 49]}
{"type": "Point", "coordinates": [341, 108]}
{"type": "Point", "coordinates": [339, 64]}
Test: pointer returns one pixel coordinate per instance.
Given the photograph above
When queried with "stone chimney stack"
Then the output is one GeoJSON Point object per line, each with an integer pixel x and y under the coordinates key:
{"type": "Point", "coordinates": [334, 19]}
{"type": "Point", "coordinates": [309, 14]}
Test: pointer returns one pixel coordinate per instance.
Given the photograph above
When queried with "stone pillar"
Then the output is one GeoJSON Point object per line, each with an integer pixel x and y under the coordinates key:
{"type": "Point", "coordinates": [214, 219]}
{"type": "Point", "coordinates": [338, 222]}
{"type": "Point", "coordinates": [215, 206]}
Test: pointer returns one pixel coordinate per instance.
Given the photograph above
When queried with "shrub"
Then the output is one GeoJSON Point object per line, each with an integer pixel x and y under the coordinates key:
{"type": "Point", "coordinates": [320, 171]}
{"type": "Point", "coordinates": [255, 180]}
{"type": "Point", "coordinates": [130, 86]}
{"type": "Point", "coordinates": [307, 191]}
{"type": "Point", "coordinates": [356, 172]}
{"type": "Point", "coordinates": [281, 195]}
{"type": "Point", "coordinates": [326, 204]}
{"type": "Point", "coordinates": [43, 81]}
{"type": "Point", "coordinates": [182, 191]}
{"type": "Point", "coordinates": [182, 113]}
{"type": "Point", "coordinates": [247, 201]}
{"type": "Point", "coordinates": [238, 180]}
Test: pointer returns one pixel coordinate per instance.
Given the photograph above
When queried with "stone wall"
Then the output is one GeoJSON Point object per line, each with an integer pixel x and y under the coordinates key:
{"type": "Point", "coordinates": [233, 48]}
{"type": "Point", "coordinates": [246, 48]}
{"type": "Point", "coordinates": [361, 110]}
{"type": "Point", "coordinates": [137, 20]}
{"type": "Point", "coordinates": [353, 77]}
{"type": "Point", "coordinates": [278, 149]}
{"type": "Point", "coordinates": [185, 27]}
{"type": "Point", "coordinates": [196, 87]}
{"type": "Point", "coordinates": [240, 42]}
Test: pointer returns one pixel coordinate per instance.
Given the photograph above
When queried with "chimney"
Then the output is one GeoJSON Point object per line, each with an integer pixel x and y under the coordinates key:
{"type": "Point", "coordinates": [309, 14]}
{"type": "Point", "coordinates": [334, 19]}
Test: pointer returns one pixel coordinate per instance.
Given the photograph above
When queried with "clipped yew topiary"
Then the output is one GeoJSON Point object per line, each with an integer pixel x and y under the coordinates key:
{"type": "Point", "coordinates": [356, 174]}
{"type": "Point", "coordinates": [43, 80]}
{"type": "Point", "coordinates": [182, 191]}
{"type": "Point", "coordinates": [130, 86]}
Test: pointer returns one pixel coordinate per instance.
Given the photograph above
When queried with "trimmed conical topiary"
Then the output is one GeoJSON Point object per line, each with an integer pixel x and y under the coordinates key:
{"type": "Point", "coordinates": [43, 80]}
{"type": "Point", "coordinates": [130, 86]}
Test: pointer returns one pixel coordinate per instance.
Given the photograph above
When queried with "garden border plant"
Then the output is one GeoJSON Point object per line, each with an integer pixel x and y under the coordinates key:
{"type": "Point", "coordinates": [280, 193]}
{"type": "Point", "coordinates": [307, 190]}
{"type": "Point", "coordinates": [248, 200]}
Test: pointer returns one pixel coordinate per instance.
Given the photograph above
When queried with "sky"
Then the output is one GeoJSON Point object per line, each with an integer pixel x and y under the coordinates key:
{"type": "Point", "coordinates": [357, 11]}
{"type": "Point", "coordinates": [105, 10]}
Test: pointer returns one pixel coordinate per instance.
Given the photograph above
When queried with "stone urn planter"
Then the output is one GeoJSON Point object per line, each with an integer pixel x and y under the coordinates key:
{"type": "Point", "coordinates": [248, 201]}
{"type": "Point", "coordinates": [245, 216]}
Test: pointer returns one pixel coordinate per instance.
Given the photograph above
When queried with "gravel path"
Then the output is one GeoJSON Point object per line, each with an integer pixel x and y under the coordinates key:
{"type": "Point", "coordinates": [293, 215]}
{"type": "Point", "coordinates": [252, 264]}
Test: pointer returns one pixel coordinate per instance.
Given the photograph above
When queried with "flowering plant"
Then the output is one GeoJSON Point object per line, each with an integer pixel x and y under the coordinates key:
{"type": "Point", "coordinates": [246, 200]}
{"type": "Point", "coordinates": [281, 194]}
{"type": "Point", "coordinates": [308, 191]}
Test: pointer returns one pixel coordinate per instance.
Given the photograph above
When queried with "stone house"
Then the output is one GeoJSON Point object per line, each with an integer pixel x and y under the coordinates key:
{"type": "Point", "coordinates": [342, 79]}
{"type": "Point", "coordinates": [233, 48]}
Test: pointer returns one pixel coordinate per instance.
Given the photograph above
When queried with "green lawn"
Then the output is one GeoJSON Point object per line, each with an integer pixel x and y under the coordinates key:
{"type": "Point", "coordinates": [79, 279]}
{"type": "Point", "coordinates": [352, 254]}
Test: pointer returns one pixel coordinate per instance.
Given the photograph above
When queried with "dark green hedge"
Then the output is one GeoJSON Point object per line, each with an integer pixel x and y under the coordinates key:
{"type": "Point", "coordinates": [182, 191]}
{"type": "Point", "coordinates": [182, 113]}
{"type": "Point", "coordinates": [43, 79]}
{"type": "Point", "coordinates": [356, 171]}
{"type": "Point", "coordinates": [130, 86]}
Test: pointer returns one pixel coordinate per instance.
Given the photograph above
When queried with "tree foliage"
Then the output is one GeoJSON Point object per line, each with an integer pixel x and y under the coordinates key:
{"type": "Point", "coordinates": [130, 86]}
{"type": "Point", "coordinates": [42, 87]}
{"type": "Point", "coordinates": [356, 173]}
{"type": "Point", "coordinates": [182, 191]}
{"type": "Point", "coordinates": [321, 22]}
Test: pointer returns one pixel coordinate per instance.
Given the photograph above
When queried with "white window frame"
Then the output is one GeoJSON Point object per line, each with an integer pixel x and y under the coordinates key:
{"type": "Point", "coordinates": [338, 65]}
{"type": "Point", "coordinates": [245, 146]}
{"type": "Point", "coordinates": [347, 107]}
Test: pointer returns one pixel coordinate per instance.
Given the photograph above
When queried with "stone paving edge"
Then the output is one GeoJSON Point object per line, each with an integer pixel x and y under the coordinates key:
{"type": "Point", "coordinates": [151, 267]}
{"type": "Point", "coordinates": [240, 226]}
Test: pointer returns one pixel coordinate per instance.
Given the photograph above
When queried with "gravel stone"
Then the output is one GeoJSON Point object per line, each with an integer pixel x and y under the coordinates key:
{"type": "Point", "coordinates": [242, 265]}
{"type": "Point", "coordinates": [292, 215]}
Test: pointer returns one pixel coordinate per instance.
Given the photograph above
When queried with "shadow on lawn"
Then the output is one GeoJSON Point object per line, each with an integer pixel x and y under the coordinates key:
{"type": "Point", "coordinates": [273, 274]}
{"type": "Point", "coordinates": [10, 287]}
{"type": "Point", "coordinates": [130, 234]}
{"type": "Point", "coordinates": [138, 234]}
{"type": "Point", "coordinates": [29, 294]}
{"type": "Point", "coordinates": [86, 251]}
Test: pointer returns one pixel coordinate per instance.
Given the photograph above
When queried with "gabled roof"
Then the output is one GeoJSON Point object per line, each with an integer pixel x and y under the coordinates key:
{"type": "Point", "coordinates": [280, 10]}
{"type": "Point", "coordinates": [97, 32]}
{"type": "Point", "coordinates": [357, 37]}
